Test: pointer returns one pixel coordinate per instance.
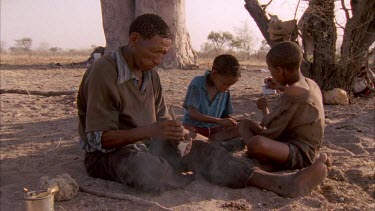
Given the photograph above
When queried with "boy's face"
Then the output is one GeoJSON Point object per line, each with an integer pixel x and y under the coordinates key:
{"type": "Point", "coordinates": [223, 82]}
{"type": "Point", "coordinates": [149, 53]}
{"type": "Point", "coordinates": [278, 74]}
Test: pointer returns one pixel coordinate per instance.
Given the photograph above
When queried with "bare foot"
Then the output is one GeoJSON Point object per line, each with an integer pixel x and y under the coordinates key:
{"type": "Point", "coordinates": [302, 182]}
{"type": "Point", "coordinates": [295, 184]}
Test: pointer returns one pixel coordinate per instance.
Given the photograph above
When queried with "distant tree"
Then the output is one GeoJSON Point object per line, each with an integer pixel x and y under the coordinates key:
{"type": "Point", "coordinates": [2, 46]}
{"type": "Point", "coordinates": [236, 43]}
{"type": "Point", "coordinates": [220, 39]}
{"type": "Point", "coordinates": [244, 40]}
{"type": "Point", "coordinates": [43, 47]}
{"type": "Point", "coordinates": [25, 44]}
{"type": "Point", "coordinates": [263, 50]}
{"type": "Point", "coordinates": [206, 47]}
{"type": "Point", "coordinates": [56, 50]}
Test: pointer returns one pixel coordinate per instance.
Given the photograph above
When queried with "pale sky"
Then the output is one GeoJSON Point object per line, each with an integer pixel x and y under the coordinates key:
{"type": "Point", "coordinates": [78, 24]}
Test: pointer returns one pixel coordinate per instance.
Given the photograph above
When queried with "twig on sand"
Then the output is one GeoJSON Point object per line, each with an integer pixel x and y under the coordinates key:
{"type": "Point", "coordinates": [123, 197]}
{"type": "Point", "coordinates": [43, 93]}
{"type": "Point", "coordinates": [58, 144]}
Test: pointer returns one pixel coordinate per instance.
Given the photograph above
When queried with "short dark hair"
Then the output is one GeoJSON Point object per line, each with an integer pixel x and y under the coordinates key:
{"type": "Point", "coordinates": [227, 64]}
{"type": "Point", "coordinates": [286, 55]}
{"type": "Point", "coordinates": [149, 25]}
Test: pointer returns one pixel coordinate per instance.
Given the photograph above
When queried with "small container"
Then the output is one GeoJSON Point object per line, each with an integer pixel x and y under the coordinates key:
{"type": "Point", "coordinates": [39, 200]}
{"type": "Point", "coordinates": [267, 91]}
{"type": "Point", "coordinates": [96, 56]}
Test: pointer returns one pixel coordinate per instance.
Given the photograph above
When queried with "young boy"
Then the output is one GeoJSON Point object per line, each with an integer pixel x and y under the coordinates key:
{"type": "Point", "coordinates": [290, 136]}
{"type": "Point", "coordinates": [207, 102]}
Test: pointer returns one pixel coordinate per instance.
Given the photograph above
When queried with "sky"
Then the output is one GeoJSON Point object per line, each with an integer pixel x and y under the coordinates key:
{"type": "Point", "coordinates": [76, 24]}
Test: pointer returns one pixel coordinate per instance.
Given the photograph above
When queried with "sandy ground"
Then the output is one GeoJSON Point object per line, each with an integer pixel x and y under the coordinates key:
{"type": "Point", "coordinates": [39, 138]}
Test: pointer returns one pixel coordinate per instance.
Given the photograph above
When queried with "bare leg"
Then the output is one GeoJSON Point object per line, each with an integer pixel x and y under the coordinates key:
{"type": "Point", "coordinates": [267, 150]}
{"type": "Point", "coordinates": [295, 184]}
{"type": "Point", "coordinates": [248, 128]}
{"type": "Point", "coordinates": [226, 134]}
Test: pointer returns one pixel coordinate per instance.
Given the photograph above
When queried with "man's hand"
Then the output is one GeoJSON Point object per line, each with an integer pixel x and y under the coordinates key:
{"type": "Point", "coordinates": [168, 129]}
{"type": "Point", "coordinates": [228, 122]}
{"type": "Point", "coordinates": [271, 83]}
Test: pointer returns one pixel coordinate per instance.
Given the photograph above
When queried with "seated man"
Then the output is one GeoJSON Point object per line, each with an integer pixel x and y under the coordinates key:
{"type": "Point", "coordinates": [129, 136]}
{"type": "Point", "coordinates": [290, 136]}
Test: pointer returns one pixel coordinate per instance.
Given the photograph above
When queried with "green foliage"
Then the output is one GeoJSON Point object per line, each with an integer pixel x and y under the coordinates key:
{"type": "Point", "coordinates": [220, 39]}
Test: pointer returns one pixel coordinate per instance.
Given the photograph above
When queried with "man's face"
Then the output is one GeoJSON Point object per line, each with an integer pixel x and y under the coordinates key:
{"type": "Point", "coordinates": [149, 53]}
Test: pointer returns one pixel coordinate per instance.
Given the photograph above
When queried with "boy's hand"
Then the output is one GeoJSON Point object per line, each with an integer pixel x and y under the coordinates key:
{"type": "Point", "coordinates": [228, 122]}
{"type": "Point", "coordinates": [271, 83]}
{"type": "Point", "coordinates": [262, 104]}
{"type": "Point", "coordinates": [169, 130]}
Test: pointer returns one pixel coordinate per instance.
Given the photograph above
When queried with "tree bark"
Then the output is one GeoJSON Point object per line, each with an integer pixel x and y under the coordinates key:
{"type": "Point", "coordinates": [118, 15]}
{"type": "Point", "coordinates": [321, 27]}
{"type": "Point", "coordinates": [359, 35]}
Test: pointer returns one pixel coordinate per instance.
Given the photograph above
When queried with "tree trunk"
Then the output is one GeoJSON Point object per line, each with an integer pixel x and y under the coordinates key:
{"type": "Point", "coordinates": [117, 16]}
{"type": "Point", "coordinates": [359, 35]}
{"type": "Point", "coordinates": [321, 27]}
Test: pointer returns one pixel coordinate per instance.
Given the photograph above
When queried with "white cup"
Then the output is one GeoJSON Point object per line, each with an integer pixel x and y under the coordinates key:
{"type": "Point", "coordinates": [267, 91]}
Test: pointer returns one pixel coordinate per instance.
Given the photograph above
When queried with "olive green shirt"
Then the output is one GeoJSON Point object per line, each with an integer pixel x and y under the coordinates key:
{"type": "Point", "coordinates": [108, 100]}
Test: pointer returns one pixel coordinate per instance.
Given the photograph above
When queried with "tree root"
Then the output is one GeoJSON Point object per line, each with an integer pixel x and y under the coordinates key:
{"type": "Point", "coordinates": [43, 93]}
{"type": "Point", "coordinates": [123, 197]}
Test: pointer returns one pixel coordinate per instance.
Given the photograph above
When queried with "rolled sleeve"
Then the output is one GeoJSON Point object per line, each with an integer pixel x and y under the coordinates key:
{"type": "Point", "coordinates": [94, 142]}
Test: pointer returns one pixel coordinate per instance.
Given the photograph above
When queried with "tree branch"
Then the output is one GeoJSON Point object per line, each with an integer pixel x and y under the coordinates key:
{"type": "Point", "coordinates": [295, 12]}
{"type": "Point", "coordinates": [123, 197]}
{"type": "Point", "coordinates": [260, 18]}
{"type": "Point", "coordinates": [264, 6]}
{"type": "Point", "coordinates": [339, 25]}
{"type": "Point", "coordinates": [345, 10]}
{"type": "Point", "coordinates": [43, 93]}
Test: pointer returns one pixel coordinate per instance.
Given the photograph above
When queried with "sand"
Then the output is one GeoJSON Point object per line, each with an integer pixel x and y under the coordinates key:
{"type": "Point", "coordinates": [39, 138]}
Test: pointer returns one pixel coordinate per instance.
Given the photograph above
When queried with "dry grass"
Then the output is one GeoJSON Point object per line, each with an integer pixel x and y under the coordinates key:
{"type": "Point", "coordinates": [41, 59]}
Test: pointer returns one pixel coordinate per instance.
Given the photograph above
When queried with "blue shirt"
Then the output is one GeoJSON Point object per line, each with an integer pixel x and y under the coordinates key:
{"type": "Point", "coordinates": [197, 97]}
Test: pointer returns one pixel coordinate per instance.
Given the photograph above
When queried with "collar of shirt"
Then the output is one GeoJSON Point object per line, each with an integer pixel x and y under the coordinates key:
{"type": "Point", "coordinates": [206, 74]}
{"type": "Point", "coordinates": [125, 74]}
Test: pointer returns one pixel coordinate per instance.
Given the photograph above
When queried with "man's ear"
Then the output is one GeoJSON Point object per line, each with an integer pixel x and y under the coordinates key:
{"type": "Point", "coordinates": [133, 38]}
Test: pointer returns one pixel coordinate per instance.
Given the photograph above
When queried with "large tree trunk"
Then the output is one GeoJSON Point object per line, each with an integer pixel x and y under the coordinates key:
{"type": "Point", "coordinates": [359, 35]}
{"type": "Point", "coordinates": [118, 14]}
{"type": "Point", "coordinates": [321, 28]}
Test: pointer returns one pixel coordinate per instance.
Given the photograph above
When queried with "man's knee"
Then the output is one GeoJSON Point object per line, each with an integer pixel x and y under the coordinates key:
{"type": "Point", "coordinates": [147, 172]}
{"type": "Point", "coordinates": [256, 145]}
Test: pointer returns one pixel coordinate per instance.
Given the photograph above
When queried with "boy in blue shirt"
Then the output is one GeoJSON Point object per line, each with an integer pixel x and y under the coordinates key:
{"type": "Point", "coordinates": [207, 102]}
